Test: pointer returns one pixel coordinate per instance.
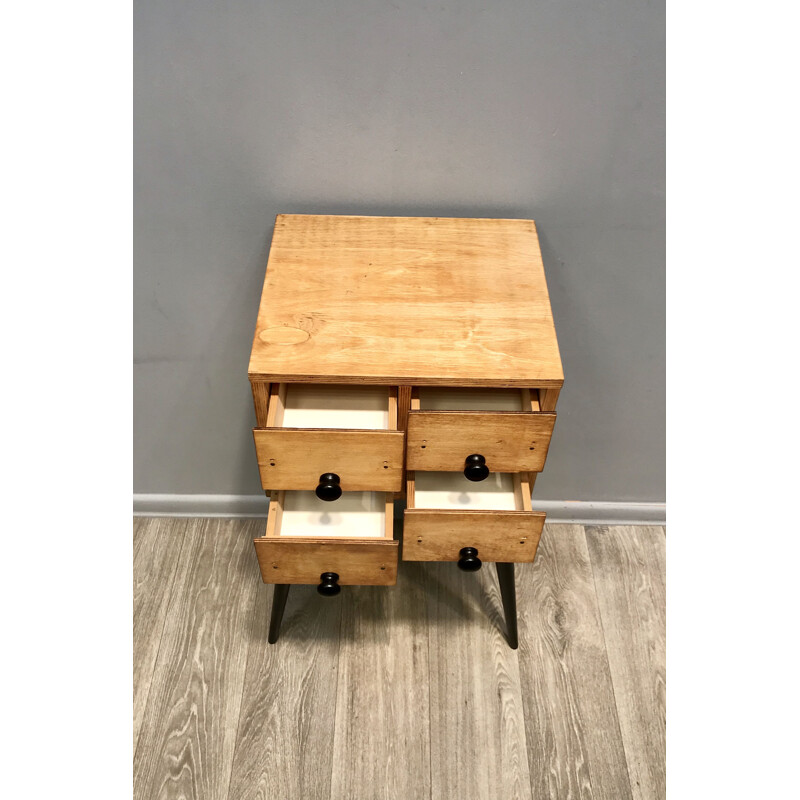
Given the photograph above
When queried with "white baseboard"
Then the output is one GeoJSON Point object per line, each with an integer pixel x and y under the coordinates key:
{"type": "Point", "coordinates": [586, 512]}
{"type": "Point", "coordinates": [237, 505]}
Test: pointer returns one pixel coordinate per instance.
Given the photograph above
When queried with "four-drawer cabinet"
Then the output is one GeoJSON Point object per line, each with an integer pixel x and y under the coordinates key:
{"type": "Point", "coordinates": [401, 359]}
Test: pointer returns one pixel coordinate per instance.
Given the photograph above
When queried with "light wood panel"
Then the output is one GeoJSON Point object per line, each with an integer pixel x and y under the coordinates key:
{"type": "Point", "coordinates": [533, 398]}
{"type": "Point", "coordinates": [574, 743]}
{"type": "Point", "coordinates": [530, 399]}
{"type": "Point", "coordinates": [548, 398]}
{"type": "Point", "coordinates": [260, 401]}
{"type": "Point", "coordinates": [478, 744]}
{"type": "Point", "coordinates": [509, 441]}
{"type": "Point", "coordinates": [157, 547]}
{"type": "Point", "coordinates": [284, 741]}
{"type": "Point", "coordinates": [275, 513]}
{"type": "Point", "coordinates": [432, 535]}
{"type": "Point", "coordinates": [382, 734]}
{"type": "Point", "coordinates": [185, 747]}
{"type": "Point", "coordinates": [403, 407]}
{"type": "Point", "coordinates": [629, 574]}
{"type": "Point", "coordinates": [300, 560]}
{"type": "Point", "coordinates": [474, 398]}
{"type": "Point", "coordinates": [277, 401]}
{"type": "Point", "coordinates": [294, 458]}
{"type": "Point", "coordinates": [405, 300]}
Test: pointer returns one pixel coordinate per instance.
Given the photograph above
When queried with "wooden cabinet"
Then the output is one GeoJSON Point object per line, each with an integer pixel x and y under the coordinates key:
{"type": "Point", "coordinates": [401, 357]}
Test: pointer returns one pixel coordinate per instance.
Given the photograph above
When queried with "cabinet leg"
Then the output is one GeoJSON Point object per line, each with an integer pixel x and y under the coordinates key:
{"type": "Point", "coordinates": [508, 591]}
{"type": "Point", "coordinates": [278, 604]}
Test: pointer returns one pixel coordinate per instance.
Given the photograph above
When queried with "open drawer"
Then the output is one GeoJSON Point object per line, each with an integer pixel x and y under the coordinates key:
{"type": "Point", "coordinates": [447, 513]}
{"type": "Point", "coordinates": [503, 426]}
{"type": "Point", "coordinates": [307, 537]}
{"type": "Point", "coordinates": [347, 431]}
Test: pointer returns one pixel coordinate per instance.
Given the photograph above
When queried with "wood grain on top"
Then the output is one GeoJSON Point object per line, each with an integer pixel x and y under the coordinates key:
{"type": "Point", "coordinates": [405, 300]}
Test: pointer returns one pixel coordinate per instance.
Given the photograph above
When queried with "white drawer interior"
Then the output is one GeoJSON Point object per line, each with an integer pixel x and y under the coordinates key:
{"type": "Point", "coordinates": [434, 398]}
{"type": "Point", "coordinates": [451, 490]}
{"type": "Point", "coordinates": [353, 515]}
{"type": "Point", "coordinates": [326, 406]}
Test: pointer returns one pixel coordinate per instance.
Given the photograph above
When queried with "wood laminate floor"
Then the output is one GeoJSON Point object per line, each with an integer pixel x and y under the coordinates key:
{"type": "Point", "coordinates": [407, 692]}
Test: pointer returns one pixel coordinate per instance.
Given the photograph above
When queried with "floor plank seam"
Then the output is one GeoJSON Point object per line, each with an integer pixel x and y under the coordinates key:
{"type": "Point", "coordinates": [571, 637]}
{"type": "Point", "coordinates": [430, 716]}
{"type": "Point", "coordinates": [336, 703]}
{"type": "Point", "coordinates": [608, 663]}
{"type": "Point", "coordinates": [161, 635]}
{"type": "Point", "coordinates": [250, 643]}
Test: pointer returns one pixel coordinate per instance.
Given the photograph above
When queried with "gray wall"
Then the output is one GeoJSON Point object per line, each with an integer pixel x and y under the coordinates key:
{"type": "Point", "coordinates": [550, 110]}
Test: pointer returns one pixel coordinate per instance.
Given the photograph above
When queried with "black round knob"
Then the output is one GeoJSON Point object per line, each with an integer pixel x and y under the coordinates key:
{"type": "Point", "coordinates": [475, 468]}
{"type": "Point", "coordinates": [329, 584]}
{"type": "Point", "coordinates": [329, 488]}
{"type": "Point", "coordinates": [469, 561]}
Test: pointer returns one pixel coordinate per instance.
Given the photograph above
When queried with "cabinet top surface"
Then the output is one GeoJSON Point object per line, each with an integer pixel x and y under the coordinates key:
{"type": "Point", "coordinates": [405, 300]}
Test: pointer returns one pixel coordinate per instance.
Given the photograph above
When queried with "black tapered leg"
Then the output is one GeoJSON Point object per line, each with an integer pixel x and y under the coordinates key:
{"type": "Point", "coordinates": [278, 604]}
{"type": "Point", "coordinates": [508, 591]}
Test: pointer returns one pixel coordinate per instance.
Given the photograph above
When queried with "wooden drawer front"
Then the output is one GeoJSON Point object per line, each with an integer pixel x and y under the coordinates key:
{"type": "Point", "coordinates": [358, 563]}
{"type": "Point", "coordinates": [509, 441]}
{"type": "Point", "coordinates": [447, 512]}
{"type": "Point", "coordinates": [306, 537]}
{"type": "Point", "coordinates": [367, 459]}
{"type": "Point", "coordinates": [439, 535]}
{"type": "Point", "coordinates": [364, 460]}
